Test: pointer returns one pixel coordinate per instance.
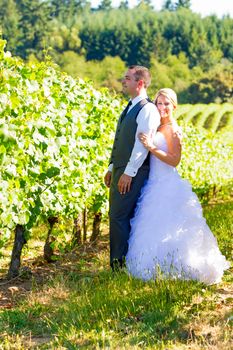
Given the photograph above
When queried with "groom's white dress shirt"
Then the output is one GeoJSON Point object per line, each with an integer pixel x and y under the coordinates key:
{"type": "Point", "coordinates": [148, 120]}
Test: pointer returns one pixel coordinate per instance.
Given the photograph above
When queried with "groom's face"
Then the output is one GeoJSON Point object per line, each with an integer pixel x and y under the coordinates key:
{"type": "Point", "coordinates": [129, 83]}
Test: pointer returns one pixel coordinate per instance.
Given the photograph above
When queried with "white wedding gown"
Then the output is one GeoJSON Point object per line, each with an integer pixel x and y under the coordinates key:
{"type": "Point", "coordinates": [169, 234]}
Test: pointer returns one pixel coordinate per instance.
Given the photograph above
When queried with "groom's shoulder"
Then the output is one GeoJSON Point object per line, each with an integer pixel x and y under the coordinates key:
{"type": "Point", "coordinates": [147, 106]}
{"type": "Point", "coordinates": [151, 110]}
{"type": "Point", "coordinates": [149, 100]}
{"type": "Point", "coordinates": [150, 104]}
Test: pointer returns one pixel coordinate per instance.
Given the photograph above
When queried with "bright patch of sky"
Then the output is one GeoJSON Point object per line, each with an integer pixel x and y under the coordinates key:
{"type": "Point", "coordinates": [204, 7]}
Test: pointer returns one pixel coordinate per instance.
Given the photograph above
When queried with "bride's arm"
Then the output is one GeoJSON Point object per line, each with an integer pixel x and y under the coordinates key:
{"type": "Point", "coordinates": [173, 155]}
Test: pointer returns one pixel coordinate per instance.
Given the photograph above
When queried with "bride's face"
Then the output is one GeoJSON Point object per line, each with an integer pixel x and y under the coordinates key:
{"type": "Point", "coordinates": [164, 106]}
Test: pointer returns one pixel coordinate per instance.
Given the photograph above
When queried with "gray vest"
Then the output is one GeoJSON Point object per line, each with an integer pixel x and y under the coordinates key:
{"type": "Point", "coordinates": [125, 137]}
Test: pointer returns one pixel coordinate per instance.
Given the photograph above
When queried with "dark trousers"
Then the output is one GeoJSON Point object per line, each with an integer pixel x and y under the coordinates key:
{"type": "Point", "coordinates": [121, 211]}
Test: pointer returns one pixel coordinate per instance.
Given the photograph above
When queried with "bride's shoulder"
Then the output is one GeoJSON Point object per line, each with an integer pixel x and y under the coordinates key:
{"type": "Point", "coordinates": [174, 133]}
{"type": "Point", "coordinates": [174, 130]}
{"type": "Point", "coordinates": [177, 131]}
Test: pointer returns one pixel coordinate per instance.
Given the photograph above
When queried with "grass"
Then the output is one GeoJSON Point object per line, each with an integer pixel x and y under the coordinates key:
{"type": "Point", "coordinates": [80, 304]}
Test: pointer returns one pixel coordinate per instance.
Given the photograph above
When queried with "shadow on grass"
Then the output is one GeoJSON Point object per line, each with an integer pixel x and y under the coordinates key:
{"type": "Point", "coordinates": [105, 309]}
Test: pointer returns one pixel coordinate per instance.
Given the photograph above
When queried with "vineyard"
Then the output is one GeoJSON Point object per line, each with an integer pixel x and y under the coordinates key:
{"type": "Point", "coordinates": [213, 117]}
{"type": "Point", "coordinates": [56, 135]}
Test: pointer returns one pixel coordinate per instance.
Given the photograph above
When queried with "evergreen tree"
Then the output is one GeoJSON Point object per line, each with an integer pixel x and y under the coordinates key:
{"type": "Point", "coordinates": [34, 25]}
{"type": "Point", "coordinates": [66, 10]}
{"type": "Point", "coordinates": [183, 3]}
{"type": "Point", "coordinates": [168, 5]}
{"type": "Point", "coordinates": [105, 5]}
{"type": "Point", "coordinates": [172, 6]}
{"type": "Point", "coordinates": [9, 19]}
{"type": "Point", "coordinates": [124, 4]}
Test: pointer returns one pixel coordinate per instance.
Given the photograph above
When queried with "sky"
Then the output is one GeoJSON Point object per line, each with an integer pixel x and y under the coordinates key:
{"type": "Point", "coordinates": [204, 7]}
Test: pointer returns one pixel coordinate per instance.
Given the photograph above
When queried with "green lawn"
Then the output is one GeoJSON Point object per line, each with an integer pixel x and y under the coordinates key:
{"type": "Point", "coordinates": [78, 303]}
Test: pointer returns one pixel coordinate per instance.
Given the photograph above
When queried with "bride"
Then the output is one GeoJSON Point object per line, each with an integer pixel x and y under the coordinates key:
{"type": "Point", "coordinates": [169, 234]}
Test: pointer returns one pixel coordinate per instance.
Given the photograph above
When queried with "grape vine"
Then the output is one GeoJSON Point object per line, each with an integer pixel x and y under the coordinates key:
{"type": "Point", "coordinates": [56, 135]}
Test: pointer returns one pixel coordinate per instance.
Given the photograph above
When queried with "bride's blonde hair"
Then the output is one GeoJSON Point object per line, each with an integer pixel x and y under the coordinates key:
{"type": "Point", "coordinates": [169, 93]}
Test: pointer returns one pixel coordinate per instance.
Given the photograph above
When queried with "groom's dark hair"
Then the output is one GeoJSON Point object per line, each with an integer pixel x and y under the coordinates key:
{"type": "Point", "coordinates": [142, 73]}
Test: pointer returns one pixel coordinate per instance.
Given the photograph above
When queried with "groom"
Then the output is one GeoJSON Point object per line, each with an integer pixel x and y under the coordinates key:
{"type": "Point", "coordinates": [129, 163]}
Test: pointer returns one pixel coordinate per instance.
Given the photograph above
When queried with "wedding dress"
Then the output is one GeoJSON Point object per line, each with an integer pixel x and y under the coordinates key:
{"type": "Point", "coordinates": [169, 234]}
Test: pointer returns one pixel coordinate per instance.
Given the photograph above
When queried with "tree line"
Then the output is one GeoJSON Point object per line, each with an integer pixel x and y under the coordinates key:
{"type": "Point", "coordinates": [194, 55]}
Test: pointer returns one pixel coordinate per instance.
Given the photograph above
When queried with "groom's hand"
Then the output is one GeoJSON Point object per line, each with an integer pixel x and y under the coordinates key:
{"type": "Point", "coordinates": [124, 183]}
{"type": "Point", "coordinates": [107, 178]}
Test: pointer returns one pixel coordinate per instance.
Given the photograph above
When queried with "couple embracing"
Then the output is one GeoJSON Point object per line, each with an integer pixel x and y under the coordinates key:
{"type": "Point", "coordinates": [156, 221]}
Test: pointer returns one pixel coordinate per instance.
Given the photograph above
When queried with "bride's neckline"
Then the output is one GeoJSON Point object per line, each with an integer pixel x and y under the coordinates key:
{"type": "Point", "coordinates": [172, 123]}
{"type": "Point", "coordinates": [168, 123]}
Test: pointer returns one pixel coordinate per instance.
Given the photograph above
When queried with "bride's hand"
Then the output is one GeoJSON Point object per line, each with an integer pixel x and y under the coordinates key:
{"type": "Point", "coordinates": [146, 140]}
